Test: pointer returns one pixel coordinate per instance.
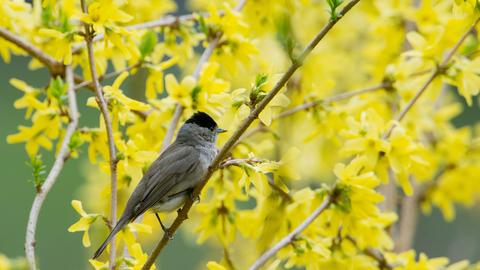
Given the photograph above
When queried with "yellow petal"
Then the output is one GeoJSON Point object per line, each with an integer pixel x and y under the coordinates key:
{"type": "Point", "coordinates": [77, 205]}
{"type": "Point", "coordinates": [83, 224]}
{"type": "Point", "coordinates": [211, 265]}
{"type": "Point", "coordinates": [86, 239]}
{"type": "Point", "coordinates": [266, 116]}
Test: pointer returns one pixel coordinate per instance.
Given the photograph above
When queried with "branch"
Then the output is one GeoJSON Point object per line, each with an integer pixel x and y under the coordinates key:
{"type": "Point", "coordinates": [112, 74]}
{"type": "Point", "coordinates": [375, 254]}
{"type": "Point", "coordinates": [438, 71]}
{"type": "Point", "coordinates": [338, 97]}
{"type": "Point", "coordinates": [55, 67]}
{"type": "Point", "coordinates": [291, 236]}
{"type": "Point", "coordinates": [183, 214]}
{"type": "Point", "coordinates": [168, 20]}
{"type": "Point", "coordinates": [108, 125]}
{"type": "Point", "coordinates": [53, 174]}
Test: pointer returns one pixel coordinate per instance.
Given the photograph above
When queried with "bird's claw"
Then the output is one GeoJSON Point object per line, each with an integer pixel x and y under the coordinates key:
{"type": "Point", "coordinates": [195, 199]}
{"type": "Point", "coordinates": [168, 234]}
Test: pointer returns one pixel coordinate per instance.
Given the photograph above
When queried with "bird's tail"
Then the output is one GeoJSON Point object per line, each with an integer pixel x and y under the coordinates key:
{"type": "Point", "coordinates": [121, 223]}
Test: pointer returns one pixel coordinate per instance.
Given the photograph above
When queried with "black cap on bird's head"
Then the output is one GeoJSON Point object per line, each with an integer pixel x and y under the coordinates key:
{"type": "Point", "coordinates": [204, 120]}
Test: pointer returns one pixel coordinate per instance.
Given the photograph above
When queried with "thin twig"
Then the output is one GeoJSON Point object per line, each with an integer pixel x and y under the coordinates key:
{"type": "Point", "coordinates": [53, 174]}
{"type": "Point", "coordinates": [112, 74]}
{"type": "Point", "coordinates": [291, 236]}
{"type": "Point", "coordinates": [438, 71]}
{"type": "Point", "coordinates": [102, 103]}
{"type": "Point", "coordinates": [335, 98]}
{"type": "Point", "coordinates": [375, 254]}
{"type": "Point", "coordinates": [305, 106]}
{"type": "Point", "coordinates": [168, 20]}
{"type": "Point", "coordinates": [55, 67]}
{"type": "Point", "coordinates": [183, 213]}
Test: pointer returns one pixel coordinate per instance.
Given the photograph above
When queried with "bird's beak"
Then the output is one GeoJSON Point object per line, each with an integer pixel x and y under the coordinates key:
{"type": "Point", "coordinates": [221, 130]}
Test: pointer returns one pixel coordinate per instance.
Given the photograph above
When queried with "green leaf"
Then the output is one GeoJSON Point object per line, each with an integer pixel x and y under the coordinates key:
{"type": "Point", "coordinates": [58, 90]}
{"type": "Point", "coordinates": [333, 5]}
{"type": "Point", "coordinates": [38, 171]}
{"type": "Point", "coordinates": [341, 198]}
{"type": "Point", "coordinates": [75, 141]}
{"type": "Point", "coordinates": [147, 44]}
{"type": "Point", "coordinates": [258, 93]}
{"type": "Point", "coordinates": [195, 92]}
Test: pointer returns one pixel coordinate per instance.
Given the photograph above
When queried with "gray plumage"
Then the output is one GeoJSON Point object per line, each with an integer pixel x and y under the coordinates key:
{"type": "Point", "coordinates": [174, 174]}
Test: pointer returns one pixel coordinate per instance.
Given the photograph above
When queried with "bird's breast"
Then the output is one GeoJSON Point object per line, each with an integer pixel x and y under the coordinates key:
{"type": "Point", "coordinates": [170, 205]}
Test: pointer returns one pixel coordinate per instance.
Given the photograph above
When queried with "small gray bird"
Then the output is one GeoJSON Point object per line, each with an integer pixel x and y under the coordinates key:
{"type": "Point", "coordinates": [174, 175]}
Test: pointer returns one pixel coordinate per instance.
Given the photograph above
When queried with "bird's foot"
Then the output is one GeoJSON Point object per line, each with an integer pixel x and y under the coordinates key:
{"type": "Point", "coordinates": [195, 199]}
{"type": "Point", "coordinates": [165, 229]}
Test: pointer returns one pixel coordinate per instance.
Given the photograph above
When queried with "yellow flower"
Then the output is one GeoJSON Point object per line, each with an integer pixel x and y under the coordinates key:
{"type": "Point", "coordinates": [62, 50]}
{"type": "Point", "coordinates": [29, 99]}
{"type": "Point", "coordinates": [114, 92]}
{"type": "Point", "coordinates": [468, 79]}
{"type": "Point", "coordinates": [365, 137]}
{"type": "Point", "coordinates": [45, 128]}
{"type": "Point", "coordinates": [180, 92]}
{"type": "Point", "coordinates": [98, 265]}
{"type": "Point", "coordinates": [83, 224]}
{"type": "Point", "coordinates": [405, 157]}
{"type": "Point", "coordinates": [104, 13]}
{"type": "Point", "coordinates": [211, 265]}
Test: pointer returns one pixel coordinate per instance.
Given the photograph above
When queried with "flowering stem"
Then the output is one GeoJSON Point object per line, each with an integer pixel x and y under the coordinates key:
{"type": "Point", "coordinates": [55, 67]}
{"type": "Point", "coordinates": [292, 235]}
{"type": "Point", "coordinates": [108, 125]}
{"type": "Point", "coordinates": [54, 172]}
{"type": "Point", "coordinates": [438, 71]}
{"type": "Point", "coordinates": [338, 97]}
{"type": "Point", "coordinates": [112, 74]}
{"type": "Point", "coordinates": [183, 213]}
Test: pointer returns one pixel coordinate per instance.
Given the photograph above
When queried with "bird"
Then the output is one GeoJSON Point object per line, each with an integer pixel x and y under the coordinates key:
{"type": "Point", "coordinates": [173, 176]}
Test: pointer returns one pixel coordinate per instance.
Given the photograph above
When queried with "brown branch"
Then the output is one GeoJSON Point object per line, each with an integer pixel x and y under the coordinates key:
{"type": "Point", "coordinates": [335, 98]}
{"type": "Point", "coordinates": [291, 236]}
{"type": "Point", "coordinates": [63, 154]}
{"type": "Point", "coordinates": [375, 254]}
{"type": "Point", "coordinates": [166, 21]}
{"type": "Point", "coordinates": [55, 67]}
{"type": "Point", "coordinates": [102, 103]}
{"type": "Point", "coordinates": [90, 84]}
{"type": "Point", "coordinates": [440, 69]}
{"type": "Point", "coordinates": [183, 213]}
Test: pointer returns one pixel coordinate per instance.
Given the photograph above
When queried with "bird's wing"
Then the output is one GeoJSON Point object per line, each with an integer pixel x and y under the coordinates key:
{"type": "Point", "coordinates": [174, 165]}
